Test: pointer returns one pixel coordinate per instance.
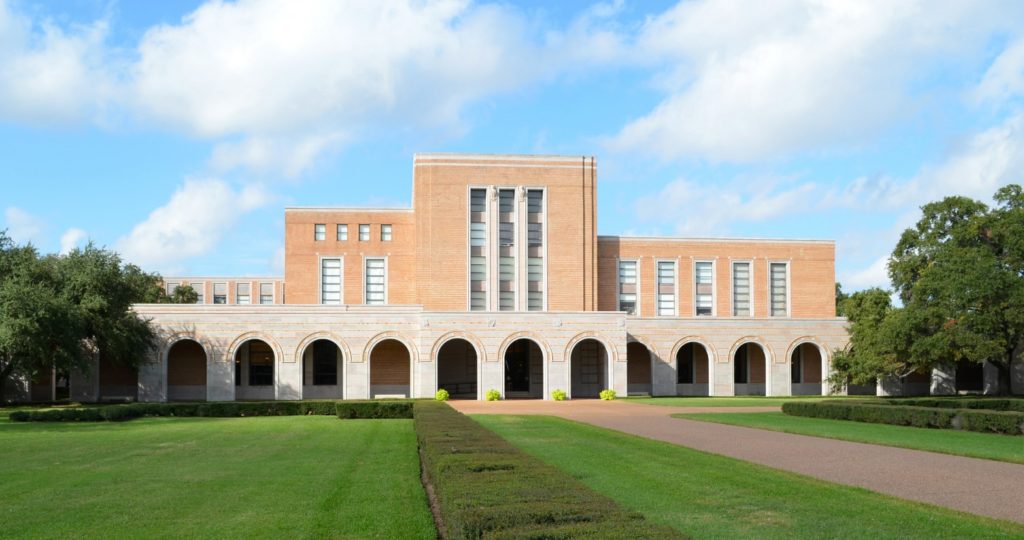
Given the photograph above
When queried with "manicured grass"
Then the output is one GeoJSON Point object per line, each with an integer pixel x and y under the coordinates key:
{"type": "Point", "coordinates": [711, 496]}
{"type": "Point", "coordinates": [947, 441]}
{"type": "Point", "coordinates": [267, 477]}
{"type": "Point", "coordinates": [740, 401]}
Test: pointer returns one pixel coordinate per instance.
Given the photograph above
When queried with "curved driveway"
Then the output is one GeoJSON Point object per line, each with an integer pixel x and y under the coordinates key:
{"type": "Point", "coordinates": [979, 486]}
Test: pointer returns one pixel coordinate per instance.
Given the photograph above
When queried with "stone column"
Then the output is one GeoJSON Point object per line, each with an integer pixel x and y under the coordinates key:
{"type": "Point", "coordinates": [357, 379]}
{"type": "Point", "coordinates": [220, 376]}
{"type": "Point", "coordinates": [289, 377]}
{"type": "Point", "coordinates": [889, 386]}
{"type": "Point", "coordinates": [663, 376]}
{"type": "Point", "coordinates": [153, 379]}
{"type": "Point", "coordinates": [943, 381]}
{"type": "Point", "coordinates": [723, 383]}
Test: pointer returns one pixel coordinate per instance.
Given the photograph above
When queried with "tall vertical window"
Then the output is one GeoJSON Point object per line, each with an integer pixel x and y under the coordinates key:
{"type": "Point", "coordinates": [477, 250]}
{"type": "Point", "coordinates": [242, 293]}
{"type": "Point", "coordinates": [627, 287]}
{"type": "Point", "coordinates": [364, 232]}
{"type": "Point", "coordinates": [666, 288]}
{"type": "Point", "coordinates": [704, 280]}
{"type": "Point", "coordinates": [342, 232]}
{"type": "Point", "coordinates": [220, 293]}
{"type": "Point", "coordinates": [778, 282]}
{"type": "Point", "coordinates": [375, 286]}
{"type": "Point", "coordinates": [385, 232]}
{"type": "Point", "coordinates": [319, 232]}
{"type": "Point", "coordinates": [266, 293]}
{"type": "Point", "coordinates": [330, 281]}
{"type": "Point", "coordinates": [506, 250]}
{"type": "Point", "coordinates": [171, 286]}
{"type": "Point", "coordinates": [200, 289]}
{"type": "Point", "coordinates": [535, 249]}
{"type": "Point", "coordinates": [741, 289]}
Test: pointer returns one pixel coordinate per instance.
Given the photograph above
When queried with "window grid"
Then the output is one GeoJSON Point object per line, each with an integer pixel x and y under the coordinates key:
{"type": "Point", "coordinates": [319, 232]}
{"type": "Point", "coordinates": [266, 293]}
{"type": "Point", "coordinates": [242, 296]}
{"type": "Point", "coordinates": [385, 233]}
{"type": "Point", "coordinates": [477, 250]}
{"type": "Point", "coordinates": [375, 282]}
{"type": "Point", "coordinates": [627, 287]}
{"type": "Point", "coordinates": [666, 288]}
{"type": "Point", "coordinates": [342, 232]}
{"type": "Point", "coordinates": [704, 288]}
{"type": "Point", "coordinates": [778, 273]}
{"type": "Point", "coordinates": [506, 250]}
{"type": "Point", "coordinates": [741, 289]}
{"type": "Point", "coordinates": [364, 232]}
{"type": "Point", "coordinates": [220, 293]}
{"type": "Point", "coordinates": [535, 249]}
{"type": "Point", "coordinates": [330, 281]}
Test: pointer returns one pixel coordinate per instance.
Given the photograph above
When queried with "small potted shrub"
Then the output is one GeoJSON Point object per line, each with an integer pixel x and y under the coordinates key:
{"type": "Point", "coordinates": [441, 395]}
{"type": "Point", "coordinates": [558, 394]}
{"type": "Point", "coordinates": [607, 394]}
{"type": "Point", "coordinates": [493, 395]}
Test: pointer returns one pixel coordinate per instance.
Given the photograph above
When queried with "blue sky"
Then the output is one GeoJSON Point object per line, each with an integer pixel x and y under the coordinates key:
{"type": "Point", "coordinates": [177, 131]}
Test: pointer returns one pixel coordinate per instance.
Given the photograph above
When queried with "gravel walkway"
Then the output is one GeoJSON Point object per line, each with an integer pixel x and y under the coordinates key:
{"type": "Point", "coordinates": [984, 487]}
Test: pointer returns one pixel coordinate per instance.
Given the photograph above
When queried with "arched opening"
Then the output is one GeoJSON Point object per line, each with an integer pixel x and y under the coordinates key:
{"type": "Point", "coordinates": [254, 370]}
{"type": "Point", "coordinates": [390, 372]}
{"type": "Point", "coordinates": [805, 370]}
{"type": "Point", "coordinates": [970, 377]}
{"type": "Point", "coordinates": [118, 382]}
{"type": "Point", "coordinates": [589, 369]}
{"type": "Point", "coordinates": [524, 370]}
{"type": "Point", "coordinates": [186, 371]}
{"type": "Point", "coordinates": [456, 369]}
{"type": "Point", "coordinates": [693, 370]}
{"type": "Point", "coordinates": [321, 370]}
{"type": "Point", "coordinates": [638, 369]}
{"type": "Point", "coordinates": [750, 366]}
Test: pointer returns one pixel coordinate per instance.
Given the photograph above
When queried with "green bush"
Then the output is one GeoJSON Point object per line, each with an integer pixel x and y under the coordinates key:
{"type": "Point", "coordinates": [487, 488]}
{"type": "Point", "coordinates": [348, 410]}
{"type": "Point", "coordinates": [992, 404]}
{"type": "Point", "coordinates": [558, 395]}
{"type": "Point", "coordinates": [1005, 422]}
{"type": "Point", "coordinates": [607, 394]}
{"type": "Point", "coordinates": [441, 395]}
{"type": "Point", "coordinates": [493, 395]}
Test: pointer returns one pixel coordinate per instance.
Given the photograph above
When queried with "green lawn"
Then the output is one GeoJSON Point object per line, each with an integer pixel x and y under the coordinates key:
{"type": "Point", "coordinates": [741, 401]}
{"type": "Point", "coordinates": [711, 496]}
{"type": "Point", "coordinates": [947, 441]}
{"type": "Point", "coordinates": [267, 477]}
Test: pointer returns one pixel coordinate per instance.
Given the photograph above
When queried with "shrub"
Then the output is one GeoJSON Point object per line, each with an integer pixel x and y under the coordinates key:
{"type": "Point", "coordinates": [1006, 422]}
{"type": "Point", "coordinates": [493, 395]}
{"type": "Point", "coordinates": [349, 410]}
{"type": "Point", "coordinates": [487, 488]}
{"type": "Point", "coordinates": [607, 394]}
{"type": "Point", "coordinates": [992, 404]}
{"type": "Point", "coordinates": [441, 395]}
{"type": "Point", "coordinates": [116, 413]}
{"type": "Point", "coordinates": [558, 395]}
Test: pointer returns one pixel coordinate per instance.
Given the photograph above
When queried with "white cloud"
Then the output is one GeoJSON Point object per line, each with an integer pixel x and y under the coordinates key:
{"type": "Point", "coordinates": [192, 223]}
{"type": "Point", "coordinates": [22, 226]}
{"type": "Point", "coordinates": [1004, 79]}
{"type": "Point", "coordinates": [71, 239]}
{"type": "Point", "coordinates": [290, 156]}
{"type": "Point", "coordinates": [762, 80]}
{"type": "Point", "coordinates": [51, 75]}
{"type": "Point", "coordinates": [875, 275]}
{"type": "Point", "coordinates": [702, 208]}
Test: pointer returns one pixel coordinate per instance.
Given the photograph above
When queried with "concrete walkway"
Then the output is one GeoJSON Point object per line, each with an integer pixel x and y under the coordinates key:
{"type": "Point", "coordinates": [979, 486]}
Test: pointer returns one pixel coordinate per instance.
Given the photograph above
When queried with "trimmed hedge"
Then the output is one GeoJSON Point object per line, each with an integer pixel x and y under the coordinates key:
{"type": "Point", "coordinates": [220, 409]}
{"type": "Point", "coordinates": [487, 488]}
{"type": "Point", "coordinates": [991, 404]}
{"type": "Point", "coordinates": [987, 421]}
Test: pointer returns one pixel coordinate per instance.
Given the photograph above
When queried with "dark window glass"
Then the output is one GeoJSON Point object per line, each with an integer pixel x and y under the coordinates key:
{"type": "Point", "coordinates": [325, 363]}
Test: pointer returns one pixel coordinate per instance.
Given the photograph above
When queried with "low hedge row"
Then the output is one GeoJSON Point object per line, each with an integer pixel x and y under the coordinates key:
{"type": "Point", "coordinates": [113, 413]}
{"type": "Point", "coordinates": [1005, 422]}
{"type": "Point", "coordinates": [991, 404]}
{"type": "Point", "coordinates": [487, 488]}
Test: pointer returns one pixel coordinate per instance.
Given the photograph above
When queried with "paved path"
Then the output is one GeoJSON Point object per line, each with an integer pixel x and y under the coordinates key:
{"type": "Point", "coordinates": [979, 486]}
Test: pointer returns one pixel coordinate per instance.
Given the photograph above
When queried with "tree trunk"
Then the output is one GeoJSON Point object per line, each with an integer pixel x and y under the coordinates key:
{"type": "Point", "coordinates": [4, 374]}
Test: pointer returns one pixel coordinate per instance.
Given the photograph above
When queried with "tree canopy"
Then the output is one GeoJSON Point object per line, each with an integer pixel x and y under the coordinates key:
{"type": "Point", "coordinates": [57, 311]}
{"type": "Point", "coordinates": [959, 274]}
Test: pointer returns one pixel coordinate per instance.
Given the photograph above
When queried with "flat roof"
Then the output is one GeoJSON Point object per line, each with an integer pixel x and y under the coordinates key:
{"type": "Point", "coordinates": [345, 209]}
{"type": "Point", "coordinates": [709, 239]}
{"type": "Point", "coordinates": [504, 157]}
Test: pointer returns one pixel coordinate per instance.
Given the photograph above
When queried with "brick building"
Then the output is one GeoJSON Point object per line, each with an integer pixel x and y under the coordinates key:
{"type": "Point", "coordinates": [495, 278]}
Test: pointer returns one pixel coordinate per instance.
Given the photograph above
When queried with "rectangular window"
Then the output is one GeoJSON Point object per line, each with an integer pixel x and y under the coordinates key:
{"type": "Point", "coordinates": [507, 301]}
{"type": "Point", "coordinates": [741, 289]}
{"type": "Point", "coordinates": [375, 285]}
{"type": "Point", "coordinates": [535, 249]}
{"type": "Point", "coordinates": [319, 232]}
{"type": "Point", "coordinates": [506, 201]}
{"type": "Point", "coordinates": [506, 250]}
{"type": "Point", "coordinates": [778, 277]}
{"type": "Point", "coordinates": [535, 201]}
{"type": "Point", "coordinates": [342, 232]}
{"type": "Point", "coordinates": [220, 293]}
{"type": "Point", "coordinates": [666, 288]}
{"type": "Point", "coordinates": [364, 232]}
{"type": "Point", "coordinates": [385, 233]}
{"type": "Point", "coordinates": [266, 293]}
{"type": "Point", "coordinates": [171, 286]}
{"type": "Point", "coordinates": [704, 279]}
{"type": "Point", "coordinates": [477, 250]}
{"type": "Point", "coordinates": [627, 287]}
{"type": "Point", "coordinates": [330, 281]}
{"type": "Point", "coordinates": [242, 293]}
{"type": "Point", "coordinates": [535, 301]}
{"type": "Point", "coordinates": [325, 363]}
{"type": "Point", "coordinates": [200, 289]}
{"type": "Point", "coordinates": [261, 365]}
